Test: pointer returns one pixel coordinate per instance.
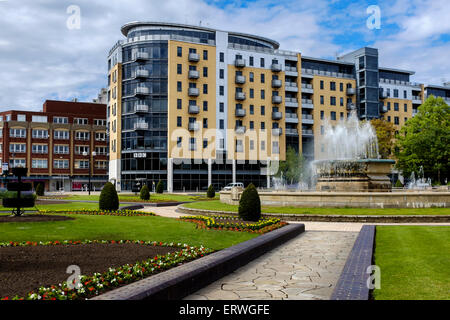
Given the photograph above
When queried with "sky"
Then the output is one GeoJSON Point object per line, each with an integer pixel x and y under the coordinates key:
{"type": "Point", "coordinates": [57, 49]}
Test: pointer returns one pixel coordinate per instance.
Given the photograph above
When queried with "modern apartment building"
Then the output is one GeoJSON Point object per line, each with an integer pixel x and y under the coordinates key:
{"type": "Point", "coordinates": [61, 146]}
{"type": "Point", "coordinates": [194, 106]}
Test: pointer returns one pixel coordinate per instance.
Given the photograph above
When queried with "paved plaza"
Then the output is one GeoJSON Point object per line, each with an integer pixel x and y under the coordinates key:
{"type": "Point", "coordinates": [305, 268]}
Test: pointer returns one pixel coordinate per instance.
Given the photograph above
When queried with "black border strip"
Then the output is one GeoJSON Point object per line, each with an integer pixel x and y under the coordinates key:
{"type": "Point", "coordinates": [179, 282]}
{"type": "Point", "coordinates": [352, 284]}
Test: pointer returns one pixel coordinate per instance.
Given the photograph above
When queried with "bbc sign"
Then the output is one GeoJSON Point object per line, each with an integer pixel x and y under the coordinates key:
{"type": "Point", "coordinates": [140, 155]}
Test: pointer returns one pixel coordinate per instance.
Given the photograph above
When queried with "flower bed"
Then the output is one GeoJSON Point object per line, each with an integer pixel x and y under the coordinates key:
{"type": "Point", "coordinates": [123, 213]}
{"type": "Point", "coordinates": [232, 223]}
{"type": "Point", "coordinates": [89, 286]}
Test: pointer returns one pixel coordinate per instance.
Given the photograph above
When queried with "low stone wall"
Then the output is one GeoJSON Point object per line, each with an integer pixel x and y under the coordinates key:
{"type": "Point", "coordinates": [425, 199]}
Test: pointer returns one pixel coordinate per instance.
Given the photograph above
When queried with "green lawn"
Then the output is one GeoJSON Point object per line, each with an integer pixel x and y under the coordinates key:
{"type": "Point", "coordinates": [152, 228]}
{"type": "Point", "coordinates": [414, 262]}
{"type": "Point", "coordinates": [218, 206]}
{"type": "Point", "coordinates": [62, 206]}
{"type": "Point", "coordinates": [154, 197]}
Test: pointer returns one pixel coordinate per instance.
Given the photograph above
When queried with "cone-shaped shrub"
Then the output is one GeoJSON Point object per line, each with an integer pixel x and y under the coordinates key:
{"type": "Point", "coordinates": [159, 187]}
{"type": "Point", "coordinates": [250, 204]}
{"type": "Point", "coordinates": [145, 193]}
{"type": "Point", "coordinates": [398, 184]}
{"type": "Point", "coordinates": [40, 189]}
{"type": "Point", "coordinates": [109, 200]}
{"type": "Point", "coordinates": [211, 193]}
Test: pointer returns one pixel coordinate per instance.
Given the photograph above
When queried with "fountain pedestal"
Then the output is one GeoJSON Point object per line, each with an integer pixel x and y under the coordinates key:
{"type": "Point", "coordinates": [362, 175]}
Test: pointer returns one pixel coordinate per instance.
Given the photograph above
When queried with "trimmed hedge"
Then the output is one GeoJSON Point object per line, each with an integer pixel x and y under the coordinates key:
{"type": "Point", "coordinates": [145, 193]}
{"type": "Point", "coordinates": [211, 193]}
{"type": "Point", "coordinates": [250, 204]}
{"type": "Point", "coordinates": [160, 187]}
{"type": "Point", "coordinates": [109, 200]}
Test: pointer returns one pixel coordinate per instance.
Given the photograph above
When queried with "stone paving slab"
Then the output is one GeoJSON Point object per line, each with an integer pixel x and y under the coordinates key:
{"type": "Point", "coordinates": [304, 268]}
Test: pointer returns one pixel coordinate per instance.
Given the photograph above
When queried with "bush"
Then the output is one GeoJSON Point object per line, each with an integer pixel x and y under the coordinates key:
{"type": "Point", "coordinates": [40, 190]}
{"type": "Point", "coordinates": [250, 204]}
{"type": "Point", "coordinates": [159, 187]}
{"type": "Point", "coordinates": [145, 193]}
{"type": "Point", "coordinates": [109, 200]}
{"type": "Point", "coordinates": [211, 193]}
{"type": "Point", "coordinates": [398, 184]}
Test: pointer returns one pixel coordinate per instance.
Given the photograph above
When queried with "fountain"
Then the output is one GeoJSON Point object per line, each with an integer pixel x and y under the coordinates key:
{"type": "Point", "coordinates": [418, 184]}
{"type": "Point", "coordinates": [349, 158]}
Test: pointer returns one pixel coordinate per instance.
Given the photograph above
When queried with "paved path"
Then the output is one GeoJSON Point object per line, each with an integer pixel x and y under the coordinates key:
{"type": "Point", "coordinates": [307, 267]}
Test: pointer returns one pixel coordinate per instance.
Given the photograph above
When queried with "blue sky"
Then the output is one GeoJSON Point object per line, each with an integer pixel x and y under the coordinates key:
{"type": "Point", "coordinates": [39, 53]}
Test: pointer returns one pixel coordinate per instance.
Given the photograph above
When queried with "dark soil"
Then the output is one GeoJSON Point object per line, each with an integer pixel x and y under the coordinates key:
{"type": "Point", "coordinates": [33, 218]}
{"type": "Point", "coordinates": [24, 269]}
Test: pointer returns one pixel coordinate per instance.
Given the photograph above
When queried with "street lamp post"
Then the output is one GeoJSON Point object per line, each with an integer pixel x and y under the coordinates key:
{"type": "Point", "coordinates": [89, 167]}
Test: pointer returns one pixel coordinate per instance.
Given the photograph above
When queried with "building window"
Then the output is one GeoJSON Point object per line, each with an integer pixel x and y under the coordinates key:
{"type": "Point", "coordinates": [179, 142]}
{"type": "Point", "coordinates": [39, 148]}
{"type": "Point", "coordinates": [252, 93]}
{"type": "Point", "coordinates": [221, 74]}
{"type": "Point", "coordinates": [396, 120]}
{"type": "Point", "coordinates": [179, 51]}
{"type": "Point", "coordinates": [205, 123]}
{"type": "Point", "coordinates": [80, 121]}
{"type": "Point", "coordinates": [61, 135]}
{"type": "Point", "coordinates": [263, 110]}
{"type": "Point", "coordinates": [333, 101]}
{"type": "Point", "coordinates": [61, 164]}
{"type": "Point", "coordinates": [18, 133]}
{"type": "Point", "coordinates": [251, 61]}
{"type": "Point", "coordinates": [205, 105]}
{"type": "Point", "coordinates": [81, 164]}
{"type": "Point", "coordinates": [263, 94]}
{"type": "Point", "coordinates": [252, 145]}
{"type": "Point", "coordinates": [221, 90]}
{"type": "Point", "coordinates": [17, 147]}
{"type": "Point", "coordinates": [102, 165]}
{"type": "Point", "coordinates": [205, 143]}
{"type": "Point", "coordinates": [341, 101]}
{"type": "Point", "coordinates": [205, 54]}
{"type": "Point", "coordinates": [333, 86]}
{"type": "Point", "coordinates": [341, 116]}
{"type": "Point", "coordinates": [263, 126]}
{"type": "Point", "coordinates": [42, 119]}
{"type": "Point", "coordinates": [263, 78]}
{"type": "Point", "coordinates": [396, 106]}
{"type": "Point", "coordinates": [262, 63]}
{"type": "Point", "coordinates": [39, 163]}
{"type": "Point", "coordinates": [341, 86]}
{"type": "Point", "coordinates": [221, 57]}
{"type": "Point", "coordinates": [205, 72]}
{"type": "Point", "coordinates": [333, 115]}
{"type": "Point", "coordinates": [221, 107]}
{"type": "Point", "coordinates": [100, 122]}
{"type": "Point", "coordinates": [179, 87]}
{"type": "Point", "coordinates": [275, 147]}
{"type": "Point", "coordinates": [179, 121]}
{"type": "Point", "coordinates": [101, 150]}
{"type": "Point", "coordinates": [405, 94]}
{"type": "Point", "coordinates": [221, 124]}
{"type": "Point", "coordinates": [100, 136]}
{"type": "Point", "coordinates": [21, 117]}
{"type": "Point", "coordinates": [17, 163]}
{"type": "Point", "coordinates": [322, 114]}
{"type": "Point", "coordinates": [81, 149]}
{"type": "Point", "coordinates": [321, 85]}
{"type": "Point", "coordinates": [179, 104]}
{"type": "Point", "coordinates": [251, 77]}
{"type": "Point", "coordinates": [252, 109]}
{"type": "Point", "coordinates": [179, 69]}
{"type": "Point", "coordinates": [322, 100]}
{"type": "Point", "coordinates": [205, 88]}
{"type": "Point", "coordinates": [395, 93]}
{"type": "Point", "coordinates": [405, 107]}
{"type": "Point", "coordinates": [389, 106]}
{"type": "Point", "coordinates": [82, 135]}
{"type": "Point", "coordinates": [389, 118]}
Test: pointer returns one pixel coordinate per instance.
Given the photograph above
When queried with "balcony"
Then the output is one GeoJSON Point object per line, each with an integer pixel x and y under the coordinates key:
{"type": "Point", "coordinates": [383, 109]}
{"type": "Point", "coordinates": [351, 91]}
{"type": "Point", "coordinates": [307, 133]}
{"type": "Point", "coordinates": [276, 67]}
{"type": "Point", "coordinates": [291, 71]}
{"type": "Point", "coordinates": [277, 131]}
{"type": "Point", "coordinates": [194, 57]}
{"type": "Point", "coordinates": [291, 86]}
{"type": "Point", "coordinates": [141, 108]}
{"type": "Point", "coordinates": [141, 56]}
{"type": "Point", "coordinates": [193, 92]}
{"type": "Point", "coordinates": [277, 115]}
{"type": "Point", "coordinates": [383, 94]}
{"type": "Point", "coordinates": [307, 119]}
{"type": "Point", "coordinates": [307, 88]}
{"type": "Point", "coordinates": [193, 109]}
{"type": "Point", "coordinates": [291, 132]}
{"type": "Point", "coordinates": [240, 113]}
{"type": "Point", "coordinates": [141, 91]}
{"type": "Point", "coordinates": [291, 117]}
{"type": "Point", "coordinates": [240, 96]}
{"type": "Point", "coordinates": [141, 73]}
{"type": "Point", "coordinates": [240, 129]}
{"type": "Point", "coordinates": [141, 126]}
{"type": "Point", "coordinates": [416, 100]}
{"type": "Point", "coordinates": [277, 99]}
{"type": "Point", "coordinates": [291, 102]}
{"type": "Point", "coordinates": [193, 74]}
{"type": "Point", "coordinates": [193, 126]}
{"type": "Point", "coordinates": [276, 83]}
{"type": "Point", "coordinates": [240, 79]}
{"type": "Point", "coordinates": [239, 63]}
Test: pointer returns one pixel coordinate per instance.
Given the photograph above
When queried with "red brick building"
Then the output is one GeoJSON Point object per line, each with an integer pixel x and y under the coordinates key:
{"type": "Point", "coordinates": [61, 146]}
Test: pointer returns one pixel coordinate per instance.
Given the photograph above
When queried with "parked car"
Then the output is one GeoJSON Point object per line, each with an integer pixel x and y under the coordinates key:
{"type": "Point", "coordinates": [232, 185]}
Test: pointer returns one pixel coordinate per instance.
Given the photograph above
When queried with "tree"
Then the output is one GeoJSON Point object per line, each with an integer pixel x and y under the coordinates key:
{"type": "Point", "coordinates": [425, 140]}
{"type": "Point", "coordinates": [211, 193]}
{"type": "Point", "coordinates": [292, 167]}
{"type": "Point", "coordinates": [250, 204]}
{"type": "Point", "coordinates": [40, 190]}
{"type": "Point", "coordinates": [385, 135]}
{"type": "Point", "coordinates": [109, 200]}
{"type": "Point", "coordinates": [159, 187]}
{"type": "Point", "coordinates": [144, 193]}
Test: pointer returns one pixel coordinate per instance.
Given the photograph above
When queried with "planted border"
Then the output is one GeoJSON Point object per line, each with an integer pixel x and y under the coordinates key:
{"type": "Point", "coordinates": [89, 286]}
{"type": "Point", "coordinates": [95, 212]}
{"type": "Point", "coordinates": [214, 222]}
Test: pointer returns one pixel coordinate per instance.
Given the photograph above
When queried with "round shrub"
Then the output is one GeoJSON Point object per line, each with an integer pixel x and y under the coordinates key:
{"type": "Point", "coordinates": [159, 187]}
{"type": "Point", "coordinates": [250, 204]}
{"type": "Point", "coordinates": [109, 200]}
{"type": "Point", "coordinates": [40, 190]}
{"type": "Point", "coordinates": [145, 193]}
{"type": "Point", "coordinates": [211, 193]}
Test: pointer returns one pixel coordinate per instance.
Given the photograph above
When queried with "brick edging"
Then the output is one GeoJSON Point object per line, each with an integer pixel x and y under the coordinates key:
{"type": "Point", "coordinates": [179, 282]}
{"type": "Point", "coordinates": [332, 218]}
{"type": "Point", "coordinates": [352, 283]}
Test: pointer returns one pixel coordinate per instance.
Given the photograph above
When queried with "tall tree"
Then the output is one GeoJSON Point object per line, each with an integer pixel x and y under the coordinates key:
{"type": "Point", "coordinates": [292, 167]}
{"type": "Point", "coordinates": [385, 134]}
{"type": "Point", "coordinates": [425, 141]}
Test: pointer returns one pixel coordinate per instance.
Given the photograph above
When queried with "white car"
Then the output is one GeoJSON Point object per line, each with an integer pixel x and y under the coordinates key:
{"type": "Point", "coordinates": [232, 185]}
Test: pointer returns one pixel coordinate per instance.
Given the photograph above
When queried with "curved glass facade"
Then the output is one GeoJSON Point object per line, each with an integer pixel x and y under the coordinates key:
{"type": "Point", "coordinates": [204, 36]}
{"type": "Point", "coordinates": [247, 42]}
{"type": "Point", "coordinates": [144, 113]}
